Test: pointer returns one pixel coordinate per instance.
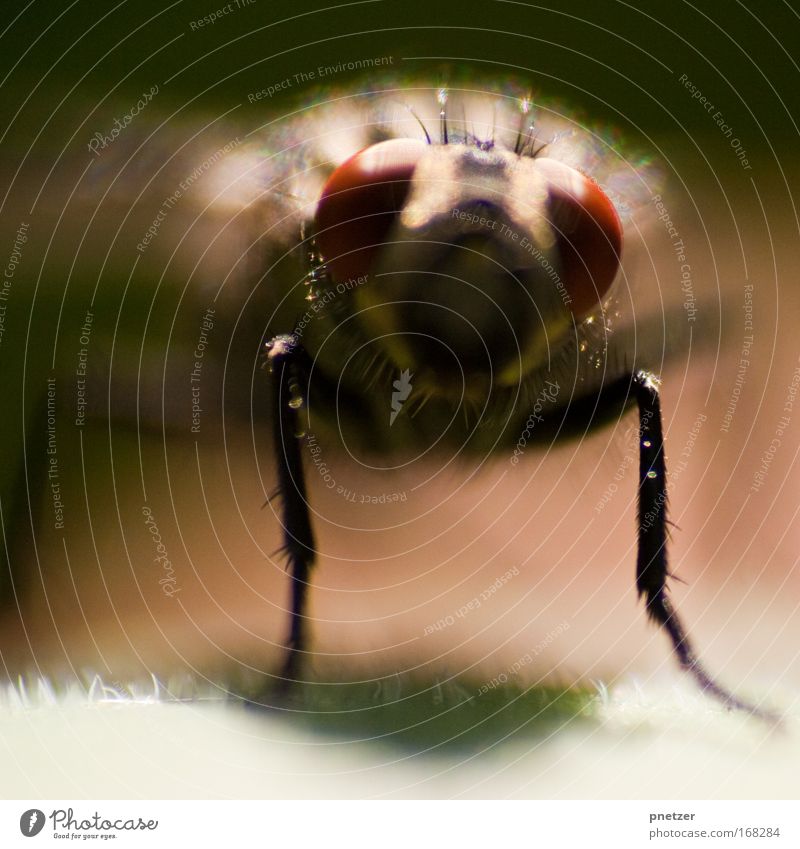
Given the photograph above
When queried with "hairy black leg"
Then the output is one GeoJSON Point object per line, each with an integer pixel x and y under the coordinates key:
{"type": "Point", "coordinates": [288, 363]}
{"type": "Point", "coordinates": [651, 567]}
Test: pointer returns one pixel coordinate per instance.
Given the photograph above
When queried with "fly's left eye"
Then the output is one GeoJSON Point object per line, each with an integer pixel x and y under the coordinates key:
{"type": "Point", "coordinates": [360, 201]}
{"type": "Point", "coordinates": [588, 234]}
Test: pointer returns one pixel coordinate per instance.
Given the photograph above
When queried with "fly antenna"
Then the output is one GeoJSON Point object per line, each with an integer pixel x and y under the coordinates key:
{"type": "Point", "coordinates": [441, 96]}
{"type": "Point", "coordinates": [420, 122]}
{"type": "Point", "coordinates": [526, 127]}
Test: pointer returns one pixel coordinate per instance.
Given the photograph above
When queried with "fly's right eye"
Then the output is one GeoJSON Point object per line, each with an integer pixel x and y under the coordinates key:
{"type": "Point", "coordinates": [588, 234]}
{"type": "Point", "coordinates": [360, 202]}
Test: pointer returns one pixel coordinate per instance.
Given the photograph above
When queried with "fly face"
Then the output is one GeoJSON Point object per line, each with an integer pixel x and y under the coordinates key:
{"type": "Point", "coordinates": [470, 266]}
{"type": "Point", "coordinates": [453, 290]}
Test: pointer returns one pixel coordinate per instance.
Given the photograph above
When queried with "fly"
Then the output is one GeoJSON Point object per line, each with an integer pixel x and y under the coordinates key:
{"type": "Point", "coordinates": [473, 262]}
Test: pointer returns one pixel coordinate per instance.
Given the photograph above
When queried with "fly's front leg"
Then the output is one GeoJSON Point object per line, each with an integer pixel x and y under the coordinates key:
{"type": "Point", "coordinates": [289, 366]}
{"type": "Point", "coordinates": [651, 568]}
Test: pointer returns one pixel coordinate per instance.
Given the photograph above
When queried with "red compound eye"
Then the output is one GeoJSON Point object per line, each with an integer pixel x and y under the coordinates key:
{"type": "Point", "coordinates": [360, 201]}
{"type": "Point", "coordinates": [588, 233]}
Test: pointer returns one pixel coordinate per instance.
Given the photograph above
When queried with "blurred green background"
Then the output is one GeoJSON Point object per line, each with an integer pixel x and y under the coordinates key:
{"type": "Point", "coordinates": [70, 69]}
{"type": "Point", "coordinates": [616, 60]}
